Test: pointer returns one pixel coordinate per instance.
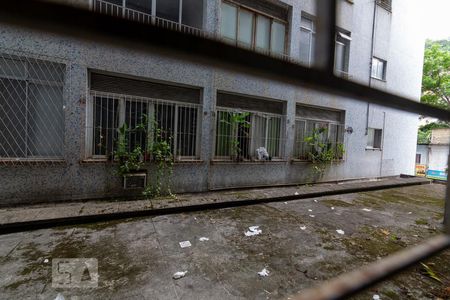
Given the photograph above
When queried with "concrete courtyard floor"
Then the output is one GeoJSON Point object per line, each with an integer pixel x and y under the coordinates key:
{"type": "Point", "coordinates": [299, 246]}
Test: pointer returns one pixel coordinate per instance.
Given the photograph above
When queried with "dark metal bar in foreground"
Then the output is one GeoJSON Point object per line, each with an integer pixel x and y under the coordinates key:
{"type": "Point", "coordinates": [87, 25]}
{"type": "Point", "coordinates": [353, 282]}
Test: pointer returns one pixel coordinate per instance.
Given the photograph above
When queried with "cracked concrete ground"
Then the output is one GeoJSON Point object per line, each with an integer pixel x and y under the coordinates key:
{"type": "Point", "coordinates": [299, 245]}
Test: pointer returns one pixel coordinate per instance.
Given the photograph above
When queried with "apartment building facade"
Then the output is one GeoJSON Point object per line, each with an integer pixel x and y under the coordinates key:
{"type": "Point", "coordinates": [64, 100]}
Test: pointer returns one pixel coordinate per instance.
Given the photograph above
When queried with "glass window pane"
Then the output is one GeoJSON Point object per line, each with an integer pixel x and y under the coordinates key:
{"type": "Point", "coordinates": [135, 112]}
{"type": "Point", "coordinates": [370, 137]}
{"type": "Point", "coordinates": [192, 13]}
{"type": "Point", "coordinates": [262, 32]}
{"type": "Point", "coordinates": [258, 133]}
{"type": "Point", "coordinates": [186, 131]}
{"type": "Point", "coordinates": [12, 68]}
{"type": "Point", "coordinates": [278, 37]}
{"type": "Point", "coordinates": [339, 56]}
{"type": "Point", "coordinates": [300, 150]}
{"type": "Point", "coordinates": [229, 18]}
{"type": "Point", "coordinates": [273, 137]}
{"type": "Point", "coordinates": [223, 133]}
{"type": "Point", "coordinates": [144, 6]}
{"type": "Point", "coordinates": [106, 121]}
{"type": "Point", "coordinates": [12, 118]}
{"type": "Point", "coordinates": [306, 23]}
{"type": "Point", "coordinates": [168, 9]}
{"type": "Point", "coordinates": [245, 31]}
{"type": "Point", "coordinates": [45, 120]}
{"type": "Point", "coordinates": [165, 119]}
{"type": "Point", "coordinates": [305, 46]}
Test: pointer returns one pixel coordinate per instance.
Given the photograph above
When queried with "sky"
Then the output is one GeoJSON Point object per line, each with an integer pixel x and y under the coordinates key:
{"type": "Point", "coordinates": [436, 22]}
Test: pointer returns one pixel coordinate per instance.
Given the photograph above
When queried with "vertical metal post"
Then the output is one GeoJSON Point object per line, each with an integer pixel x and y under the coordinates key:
{"type": "Point", "coordinates": [325, 38]}
{"type": "Point", "coordinates": [447, 204]}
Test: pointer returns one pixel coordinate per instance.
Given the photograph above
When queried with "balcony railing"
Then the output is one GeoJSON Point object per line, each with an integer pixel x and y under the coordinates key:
{"type": "Point", "coordinates": [108, 8]}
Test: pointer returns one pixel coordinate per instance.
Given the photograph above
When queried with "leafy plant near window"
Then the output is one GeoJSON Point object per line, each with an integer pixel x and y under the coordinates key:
{"type": "Point", "coordinates": [129, 161]}
{"type": "Point", "coordinates": [158, 150]}
{"type": "Point", "coordinates": [322, 152]}
{"type": "Point", "coordinates": [161, 153]}
{"type": "Point", "coordinates": [237, 121]}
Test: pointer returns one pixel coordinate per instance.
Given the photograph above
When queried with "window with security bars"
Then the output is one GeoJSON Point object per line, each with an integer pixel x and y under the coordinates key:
{"type": "Point", "coordinates": [326, 125]}
{"type": "Point", "coordinates": [31, 108]}
{"type": "Point", "coordinates": [246, 139]}
{"type": "Point", "coordinates": [174, 14]}
{"type": "Point", "coordinates": [147, 120]}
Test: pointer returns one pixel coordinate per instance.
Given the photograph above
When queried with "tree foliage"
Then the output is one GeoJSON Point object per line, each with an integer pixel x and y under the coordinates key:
{"type": "Point", "coordinates": [436, 74]}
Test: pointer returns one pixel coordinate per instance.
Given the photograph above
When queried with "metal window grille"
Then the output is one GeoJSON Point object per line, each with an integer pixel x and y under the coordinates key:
{"type": "Point", "coordinates": [45, 16]}
{"type": "Point", "coordinates": [147, 120]}
{"type": "Point", "coordinates": [31, 109]}
{"type": "Point", "coordinates": [241, 140]}
{"type": "Point", "coordinates": [331, 135]}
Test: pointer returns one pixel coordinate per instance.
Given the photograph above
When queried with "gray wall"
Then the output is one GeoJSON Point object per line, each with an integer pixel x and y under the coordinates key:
{"type": "Point", "coordinates": [78, 179]}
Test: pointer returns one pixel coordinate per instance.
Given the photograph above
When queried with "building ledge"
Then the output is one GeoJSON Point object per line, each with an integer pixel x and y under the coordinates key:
{"type": "Point", "coordinates": [32, 161]}
{"type": "Point", "coordinates": [249, 162]}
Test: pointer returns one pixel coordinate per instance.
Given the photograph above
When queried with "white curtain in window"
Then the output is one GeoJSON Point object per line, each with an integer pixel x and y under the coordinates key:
{"type": "Point", "coordinates": [229, 17]}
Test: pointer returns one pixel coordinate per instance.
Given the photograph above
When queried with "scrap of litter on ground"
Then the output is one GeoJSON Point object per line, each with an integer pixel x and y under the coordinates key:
{"type": "Point", "coordinates": [264, 272]}
{"type": "Point", "coordinates": [253, 230]}
{"type": "Point", "coordinates": [185, 244]}
{"type": "Point", "coordinates": [179, 274]}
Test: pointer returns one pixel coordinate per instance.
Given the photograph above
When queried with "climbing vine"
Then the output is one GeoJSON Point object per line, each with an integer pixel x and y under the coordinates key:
{"type": "Point", "coordinates": [158, 151]}
{"type": "Point", "coordinates": [322, 152]}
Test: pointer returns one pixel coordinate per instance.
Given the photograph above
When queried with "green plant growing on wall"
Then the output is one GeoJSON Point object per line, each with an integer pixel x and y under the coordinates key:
{"type": "Point", "coordinates": [129, 161]}
{"type": "Point", "coordinates": [235, 122]}
{"type": "Point", "coordinates": [322, 153]}
{"type": "Point", "coordinates": [159, 151]}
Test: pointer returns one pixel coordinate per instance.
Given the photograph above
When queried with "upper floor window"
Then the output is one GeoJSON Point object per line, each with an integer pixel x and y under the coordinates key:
{"type": "Point", "coordinates": [307, 40]}
{"type": "Point", "coordinates": [31, 108]}
{"type": "Point", "coordinates": [186, 12]}
{"type": "Point", "coordinates": [386, 4]}
{"type": "Point", "coordinates": [378, 70]}
{"type": "Point", "coordinates": [342, 52]}
{"type": "Point", "coordinates": [253, 29]}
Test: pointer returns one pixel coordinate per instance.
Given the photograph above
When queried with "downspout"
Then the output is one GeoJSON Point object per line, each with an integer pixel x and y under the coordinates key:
{"type": "Point", "coordinates": [382, 143]}
{"type": "Point", "coordinates": [370, 62]}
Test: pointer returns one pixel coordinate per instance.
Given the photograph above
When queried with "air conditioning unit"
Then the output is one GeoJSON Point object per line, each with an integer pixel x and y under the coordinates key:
{"type": "Point", "coordinates": [135, 181]}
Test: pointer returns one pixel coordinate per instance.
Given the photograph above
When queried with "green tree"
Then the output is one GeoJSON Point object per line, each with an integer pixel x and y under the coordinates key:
{"type": "Point", "coordinates": [436, 74]}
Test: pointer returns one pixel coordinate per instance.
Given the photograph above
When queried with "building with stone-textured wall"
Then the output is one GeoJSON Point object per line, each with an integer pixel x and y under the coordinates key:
{"type": "Point", "coordinates": [64, 99]}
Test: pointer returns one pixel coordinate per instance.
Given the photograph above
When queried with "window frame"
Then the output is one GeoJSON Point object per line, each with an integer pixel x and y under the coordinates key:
{"type": "Point", "coordinates": [379, 62]}
{"type": "Point", "coordinates": [253, 114]}
{"type": "Point", "coordinates": [28, 80]}
{"type": "Point", "coordinates": [311, 36]}
{"type": "Point", "coordinates": [255, 13]}
{"type": "Point", "coordinates": [342, 37]}
{"type": "Point", "coordinates": [380, 135]}
{"type": "Point", "coordinates": [122, 100]}
{"type": "Point", "coordinates": [340, 138]}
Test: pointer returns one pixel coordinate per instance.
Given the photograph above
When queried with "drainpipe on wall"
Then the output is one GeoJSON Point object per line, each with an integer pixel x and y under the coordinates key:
{"type": "Point", "coordinates": [370, 62]}
{"type": "Point", "coordinates": [382, 143]}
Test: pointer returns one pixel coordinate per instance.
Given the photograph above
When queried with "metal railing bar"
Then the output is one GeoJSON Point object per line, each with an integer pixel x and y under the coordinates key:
{"type": "Point", "coordinates": [353, 282]}
{"type": "Point", "coordinates": [87, 25]}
